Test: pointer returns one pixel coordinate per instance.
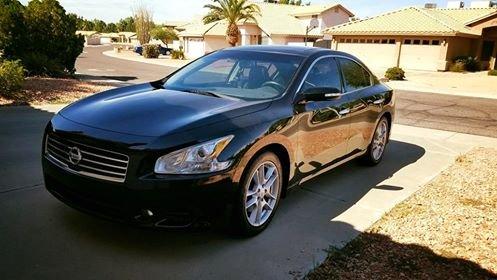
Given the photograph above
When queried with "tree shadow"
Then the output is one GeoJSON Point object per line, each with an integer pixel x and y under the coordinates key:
{"type": "Point", "coordinates": [377, 256]}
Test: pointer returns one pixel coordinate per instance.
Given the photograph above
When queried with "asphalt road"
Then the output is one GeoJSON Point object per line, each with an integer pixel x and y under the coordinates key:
{"type": "Point", "coordinates": [445, 112]}
{"type": "Point", "coordinates": [469, 115]}
{"type": "Point", "coordinates": [92, 64]}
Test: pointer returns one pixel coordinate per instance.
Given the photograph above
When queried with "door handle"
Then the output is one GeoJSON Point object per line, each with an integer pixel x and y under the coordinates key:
{"type": "Point", "coordinates": [344, 112]}
{"type": "Point", "coordinates": [379, 101]}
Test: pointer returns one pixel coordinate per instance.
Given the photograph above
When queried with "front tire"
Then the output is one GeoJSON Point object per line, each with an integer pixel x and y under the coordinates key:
{"type": "Point", "coordinates": [259, 195]}
{"type": "Point", "coordinates": [376, 148]}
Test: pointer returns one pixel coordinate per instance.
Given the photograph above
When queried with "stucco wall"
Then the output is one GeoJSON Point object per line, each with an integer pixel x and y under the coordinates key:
{"type": "Point", "coordinates": [331, 18]}
{"type": "Point", "coordinates": [460, 46]}
{"type": "Point", "coordinates": [213, 43]}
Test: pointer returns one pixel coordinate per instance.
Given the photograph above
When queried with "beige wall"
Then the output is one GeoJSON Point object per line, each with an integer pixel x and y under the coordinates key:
{"type": "Point", "coordinates": [408, 56]}
{"type": "Point", "coordinates": [332, 18]}
{"type": "Point", "coordinates": [327, 19]}
{"type": "Point", "coordinates": [375, 56]}
{"type": "Point", "coordinates": [213, 43]}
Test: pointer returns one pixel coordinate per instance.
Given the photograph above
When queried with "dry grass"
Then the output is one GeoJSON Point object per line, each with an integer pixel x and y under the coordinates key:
{"type": "Point", "coordinates": [447, 230]}
{"type": "Point", "coordinates": [39, 90]}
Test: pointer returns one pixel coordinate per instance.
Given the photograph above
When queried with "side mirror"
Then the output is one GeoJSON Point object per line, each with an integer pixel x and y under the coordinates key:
{"type": "Point", "coordinates": [320, 94]}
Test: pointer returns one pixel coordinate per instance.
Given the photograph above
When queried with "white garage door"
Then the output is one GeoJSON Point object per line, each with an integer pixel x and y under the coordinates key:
{"type": "Point", "coordinates": [196, 47]}
{"type": "Point", "coordinates": [375, 56]}
{"type": "Point", "coordinates": [420, 57]}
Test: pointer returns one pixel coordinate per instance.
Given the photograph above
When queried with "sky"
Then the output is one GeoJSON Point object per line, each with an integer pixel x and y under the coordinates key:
{"type": "Point", "coordinates": [113, 10]}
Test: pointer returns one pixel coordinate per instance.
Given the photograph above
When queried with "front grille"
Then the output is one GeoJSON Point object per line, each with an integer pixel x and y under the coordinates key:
{"type": "Point", "coordinates": [86, 160]}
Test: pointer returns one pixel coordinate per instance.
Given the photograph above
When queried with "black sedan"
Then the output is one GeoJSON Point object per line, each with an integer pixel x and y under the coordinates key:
{"type": "Point", "coordinates": [229, 133]}
{"type": "Point", "coordinates": [162, 50]}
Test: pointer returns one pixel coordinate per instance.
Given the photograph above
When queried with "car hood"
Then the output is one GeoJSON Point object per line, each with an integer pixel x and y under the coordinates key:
{"type": "Point", "coordinates": [143, 110]}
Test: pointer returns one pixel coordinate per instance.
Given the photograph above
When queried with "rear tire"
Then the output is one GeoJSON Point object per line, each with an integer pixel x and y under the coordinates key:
{"type": "Point", "coordinates": [258, 195]}
{"type": "Point", "coordinates": [376, 148]}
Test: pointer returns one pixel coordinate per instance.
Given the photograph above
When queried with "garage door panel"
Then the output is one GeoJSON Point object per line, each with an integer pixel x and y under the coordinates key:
{"type": "Point", "coordinates": [376, 56]}
{"type": "Point", "coordinates": [420, 57]}
{"type": "Point", "coordinates": [196, 48]}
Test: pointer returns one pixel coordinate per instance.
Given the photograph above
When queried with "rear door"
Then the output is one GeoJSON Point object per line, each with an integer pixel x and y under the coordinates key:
{"type": "Point", "coordinates": [324, 125]}
{"type": "Point", "coordinates": [365, 103]}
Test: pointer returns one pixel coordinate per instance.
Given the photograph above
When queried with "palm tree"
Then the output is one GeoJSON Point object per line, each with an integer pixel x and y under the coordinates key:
{"type": "Point", "coordinates": [233, 11]}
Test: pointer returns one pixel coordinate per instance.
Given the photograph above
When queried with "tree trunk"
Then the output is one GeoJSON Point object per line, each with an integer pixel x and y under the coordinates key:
{"type": "Point", "coordinates": [232, 34]}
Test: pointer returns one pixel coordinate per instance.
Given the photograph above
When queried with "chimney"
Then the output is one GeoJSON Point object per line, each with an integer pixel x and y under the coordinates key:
{"type": "Point", "coordinates": [455, 4]}
{"type": "Point", "coordinates": [481, 4]}
{"type": "Point", "coordinates": [430, 6]}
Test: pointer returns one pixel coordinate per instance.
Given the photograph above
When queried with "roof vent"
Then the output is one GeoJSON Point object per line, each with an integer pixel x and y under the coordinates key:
{"type": "Point", "coordinates": [481, 4]}
{"type": "Point", "coordinates": [455, 4]}
{"type": "Point", "coordinates": [430, 5]}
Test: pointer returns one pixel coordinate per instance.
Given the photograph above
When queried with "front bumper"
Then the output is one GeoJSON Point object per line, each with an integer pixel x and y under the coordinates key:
{"type": "Point", "coordinates": [175, 201]}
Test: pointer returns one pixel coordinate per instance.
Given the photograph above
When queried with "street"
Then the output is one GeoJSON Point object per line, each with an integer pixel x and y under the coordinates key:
{"type": "Point", "coordinates": [92, 64]}
{"type": "Point", "coordinates": [44, 239]}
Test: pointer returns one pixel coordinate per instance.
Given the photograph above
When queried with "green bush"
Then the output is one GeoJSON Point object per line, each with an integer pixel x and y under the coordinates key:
{"type": "Point", "coordinates": [11, 77]}
{"type": "Point", "coordinates": [41, 28]}
{"type": "Point", "coordinates": [150, 51]}
{"type": "Point", "coordinates": [178, 54]}
{"type": "Point", "coordinates": [395, 73]}
{"type": "Point", "coordinates": [468, 63]}
{"type": "Point", "coordinates": [492, 73]}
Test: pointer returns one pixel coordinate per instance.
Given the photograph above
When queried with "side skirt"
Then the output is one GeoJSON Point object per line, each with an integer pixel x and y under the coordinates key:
{"type": "Point", "coordinates": [333, 164]}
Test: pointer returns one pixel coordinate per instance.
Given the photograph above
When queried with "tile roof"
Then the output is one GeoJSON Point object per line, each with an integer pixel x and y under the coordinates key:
{"type": "Point", "coordinates": [416, 21]}
{"type": "Point", "coordinates": [275, 19]}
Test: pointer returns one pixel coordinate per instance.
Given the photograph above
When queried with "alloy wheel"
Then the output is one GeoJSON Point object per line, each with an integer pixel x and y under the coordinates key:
{"type": "Point", "coordinates": [261, 193]}
{"type": "Point", "coordinates": [380, 140]}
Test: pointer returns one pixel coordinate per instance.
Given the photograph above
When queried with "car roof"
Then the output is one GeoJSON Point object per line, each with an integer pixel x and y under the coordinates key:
{"type": "Point", "coordinates": [292, 50]}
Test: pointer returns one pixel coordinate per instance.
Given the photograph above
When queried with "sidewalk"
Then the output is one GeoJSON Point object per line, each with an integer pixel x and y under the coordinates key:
{"type": "Point", "coordinates": [477, 84]}
{"type": "Point", "coordinates": [162, 60]}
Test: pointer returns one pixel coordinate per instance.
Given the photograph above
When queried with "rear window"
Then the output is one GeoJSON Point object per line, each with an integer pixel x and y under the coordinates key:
{"type": "Point", "coordinates": [354, 75]}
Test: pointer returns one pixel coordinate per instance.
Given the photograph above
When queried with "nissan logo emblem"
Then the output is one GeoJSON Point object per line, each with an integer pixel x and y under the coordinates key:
{"type": "Point", "coordinates": [75, 155]}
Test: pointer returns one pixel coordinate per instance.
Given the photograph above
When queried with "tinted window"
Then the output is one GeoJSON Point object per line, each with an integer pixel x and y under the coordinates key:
{"type": "Point", "coordinates": [324, 73]}
{"type": "Point", "coordinates": [240, 74]}
{"type": "Point", "coordinates": [355, 76]}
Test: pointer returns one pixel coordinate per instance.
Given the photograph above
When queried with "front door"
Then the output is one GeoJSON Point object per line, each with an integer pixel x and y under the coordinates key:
{"type": "Point", "coordinates": [324, 125]}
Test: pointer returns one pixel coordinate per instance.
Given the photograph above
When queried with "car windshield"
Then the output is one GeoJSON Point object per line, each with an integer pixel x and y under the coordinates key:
{"type": "Point", "coordinates": [240, 74]}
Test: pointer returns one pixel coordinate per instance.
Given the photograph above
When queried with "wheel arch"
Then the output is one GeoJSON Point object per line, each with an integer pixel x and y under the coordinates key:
{"type": "Point", "coordinates": [281, 150]}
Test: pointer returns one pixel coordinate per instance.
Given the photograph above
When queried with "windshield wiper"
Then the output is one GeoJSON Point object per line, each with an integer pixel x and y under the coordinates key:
{"type": "Point", "coordinates": [202, 92]}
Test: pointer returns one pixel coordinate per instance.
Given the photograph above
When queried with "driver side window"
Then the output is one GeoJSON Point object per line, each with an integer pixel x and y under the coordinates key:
{"type": "Point", "coordinates": [324, 74]}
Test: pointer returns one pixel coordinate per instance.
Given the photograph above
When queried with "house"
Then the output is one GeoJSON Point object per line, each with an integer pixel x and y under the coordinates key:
{"type": "Point", "coordinates": [278, 24]}
{"type": "Point", "coordinates": [91, 37]}
{"type": "Point", "coordinates": [128, 37]}
{"type": "Point", "coordinates": [108, 38]}
{"type": "Point", "coordinates": [422, 38]}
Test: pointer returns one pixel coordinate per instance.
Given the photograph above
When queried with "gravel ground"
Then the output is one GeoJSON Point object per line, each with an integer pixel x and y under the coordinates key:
{"type": "Point", "coordinates": [39, 90]}
{"type": "Point", "coordinates": [447, 230]}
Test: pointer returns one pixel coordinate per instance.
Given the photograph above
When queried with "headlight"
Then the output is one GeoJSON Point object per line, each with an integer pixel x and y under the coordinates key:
{"type": "Point", "coordinates": [196, 159]}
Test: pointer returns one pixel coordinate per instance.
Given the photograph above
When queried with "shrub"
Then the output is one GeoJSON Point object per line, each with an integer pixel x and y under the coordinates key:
{"type": "Point", "coordinates": [150, 51]}
{"type": "Point", "coordinates": [178, 54]}
{"type": "Point", "coordinates": [492, 73]}
{"type": "Point", "coordinates": [395, 73]}
{"type": "Point", "coordinates": [11, 77]}
{"type": "Point", "coordinates": [458, 67]}
{"type": "Point", "coordinates": [42, 28]}
{"type": "Point", "coordinates": [470, 64]}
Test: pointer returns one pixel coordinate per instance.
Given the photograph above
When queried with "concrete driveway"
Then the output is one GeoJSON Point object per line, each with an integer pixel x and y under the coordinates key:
{"type": "Point", "coordinates": [42, 238]}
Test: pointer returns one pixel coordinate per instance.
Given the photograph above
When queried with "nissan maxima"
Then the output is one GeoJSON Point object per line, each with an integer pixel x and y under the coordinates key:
{"type": "Point", "coordinates": [229, 133]}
